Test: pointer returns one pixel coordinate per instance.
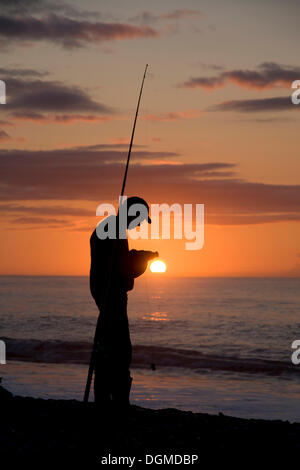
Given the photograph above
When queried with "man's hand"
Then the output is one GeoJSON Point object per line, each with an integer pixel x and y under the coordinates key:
{"type": "Point", "coordinates": [152, 254]}
{"type": "Point", "coordinates": [139, 260]}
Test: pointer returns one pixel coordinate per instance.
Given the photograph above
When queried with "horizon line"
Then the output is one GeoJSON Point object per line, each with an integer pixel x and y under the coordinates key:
{"type": "Point", "coordinates": [256, 276]}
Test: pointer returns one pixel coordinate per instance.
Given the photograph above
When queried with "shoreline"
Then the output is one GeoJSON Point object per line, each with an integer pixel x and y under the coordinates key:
{"type": "Point", "coordinates": [71, 431]}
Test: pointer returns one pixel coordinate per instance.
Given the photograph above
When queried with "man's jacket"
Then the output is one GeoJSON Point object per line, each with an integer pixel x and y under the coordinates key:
{"type": "Point", "coordinates": [113, 266]}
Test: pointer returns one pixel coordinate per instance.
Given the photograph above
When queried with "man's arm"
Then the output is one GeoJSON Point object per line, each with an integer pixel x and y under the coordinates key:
{"type": "Point", "coordinates": [138, 260]}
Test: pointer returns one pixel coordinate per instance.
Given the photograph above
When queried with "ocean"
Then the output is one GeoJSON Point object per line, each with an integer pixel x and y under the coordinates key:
{"type": "Point", "coordinates": [218, 344]}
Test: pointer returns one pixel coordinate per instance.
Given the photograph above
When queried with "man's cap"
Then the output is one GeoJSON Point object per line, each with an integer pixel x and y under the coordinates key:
{"type": "Point", "coordinates": [138, 200]}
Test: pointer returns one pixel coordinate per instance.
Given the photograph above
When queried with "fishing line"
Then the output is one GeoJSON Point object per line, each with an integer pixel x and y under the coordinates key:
{"type": "Point", "coordinates": [152, 363]}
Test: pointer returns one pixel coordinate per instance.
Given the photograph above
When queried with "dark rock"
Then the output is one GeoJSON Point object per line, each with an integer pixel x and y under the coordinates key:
{"type": "Point", "coordinates": [68, 431]}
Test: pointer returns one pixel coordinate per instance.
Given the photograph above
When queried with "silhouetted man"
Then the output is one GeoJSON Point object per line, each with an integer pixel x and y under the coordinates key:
{"type": "Point", "coordinates": [113, 269]}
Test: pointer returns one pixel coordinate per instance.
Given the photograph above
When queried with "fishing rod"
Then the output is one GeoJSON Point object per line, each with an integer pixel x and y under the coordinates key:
{"type": "Point", "coordinates": [95, 342]}
{"type": "Point", "coordinates": [132, 135]}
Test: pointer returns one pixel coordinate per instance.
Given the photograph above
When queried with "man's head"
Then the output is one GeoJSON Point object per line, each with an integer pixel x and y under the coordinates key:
{"type": "Point", "coordinates": [137, 211]}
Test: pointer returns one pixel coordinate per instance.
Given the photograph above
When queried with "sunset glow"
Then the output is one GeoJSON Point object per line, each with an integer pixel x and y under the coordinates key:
{"type": "Point", "coordinates": [210, 127]}
{"type": "Point", "coordinates": [158, 266]}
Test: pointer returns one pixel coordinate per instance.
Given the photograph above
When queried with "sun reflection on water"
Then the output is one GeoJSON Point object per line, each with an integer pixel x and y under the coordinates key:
{"type": "Point", "coordinates": [156, 316]}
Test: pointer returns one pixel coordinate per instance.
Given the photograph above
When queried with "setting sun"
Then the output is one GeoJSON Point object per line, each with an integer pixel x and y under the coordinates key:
{"type": "Point", "coordinates": [158, 266]}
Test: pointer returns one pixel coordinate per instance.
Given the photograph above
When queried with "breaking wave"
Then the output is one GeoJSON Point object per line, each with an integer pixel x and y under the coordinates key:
{"type": "Point", "coordinates": [78, 352]}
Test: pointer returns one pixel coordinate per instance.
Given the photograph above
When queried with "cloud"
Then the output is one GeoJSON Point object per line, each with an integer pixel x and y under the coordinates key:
{"type": "Point", "coordinates": [59, 118]}
{"type": "Point", "coordinates": [40, 118]}
{"type": "Point", "coordinates": [207, 83]}
{"type": "Point", "coordinates": [18, 7]}
{"type": "Point", "coordinates": [71, 118]}
{"type": "Point", "coordinates": [95, 174]}
{"type": "Point", "coordinates": [39, 220]}
{"type": "Point", "coordinates": [268, 120]}
{"type": "Point", "coordinates": [180, 13]}
{"type": "Point", "coordinates": [80, 172]}
{"type": "Point", "coordinates": [29, 116]}
{"type": "Point", "coordinates": [6, 123]}
{"type": "Point", "coordinates": [45, 95]}
{"type": "Point", "coordinates": [172, 116]}
{"type": "Point", "coordinates": [18, 167]}
{"type": "Point", "coordinates": [267, 75]}
{"type": "Point", "coordinates": [67, 32]}
{"type": "Point", "coordinates": [147, 17]}
{"type": "Point", "coordinates": [48, 216]}
{"type": "Point", "coordinates": [19, 72]}
{"type": "Point", "coordinates": [41, 210]}
{"type": "Point", "coordinates": [259, 105]}
{"type": "Point", "coordinates": [206, 65]}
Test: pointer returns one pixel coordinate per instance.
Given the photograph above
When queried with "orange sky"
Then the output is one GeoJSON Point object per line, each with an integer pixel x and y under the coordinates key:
{"type": "Point", "coordinates": [216, 127]}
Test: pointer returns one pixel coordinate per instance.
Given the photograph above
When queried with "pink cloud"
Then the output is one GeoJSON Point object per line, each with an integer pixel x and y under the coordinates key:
{"type": "Point", "coordinates": [267, 75]}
